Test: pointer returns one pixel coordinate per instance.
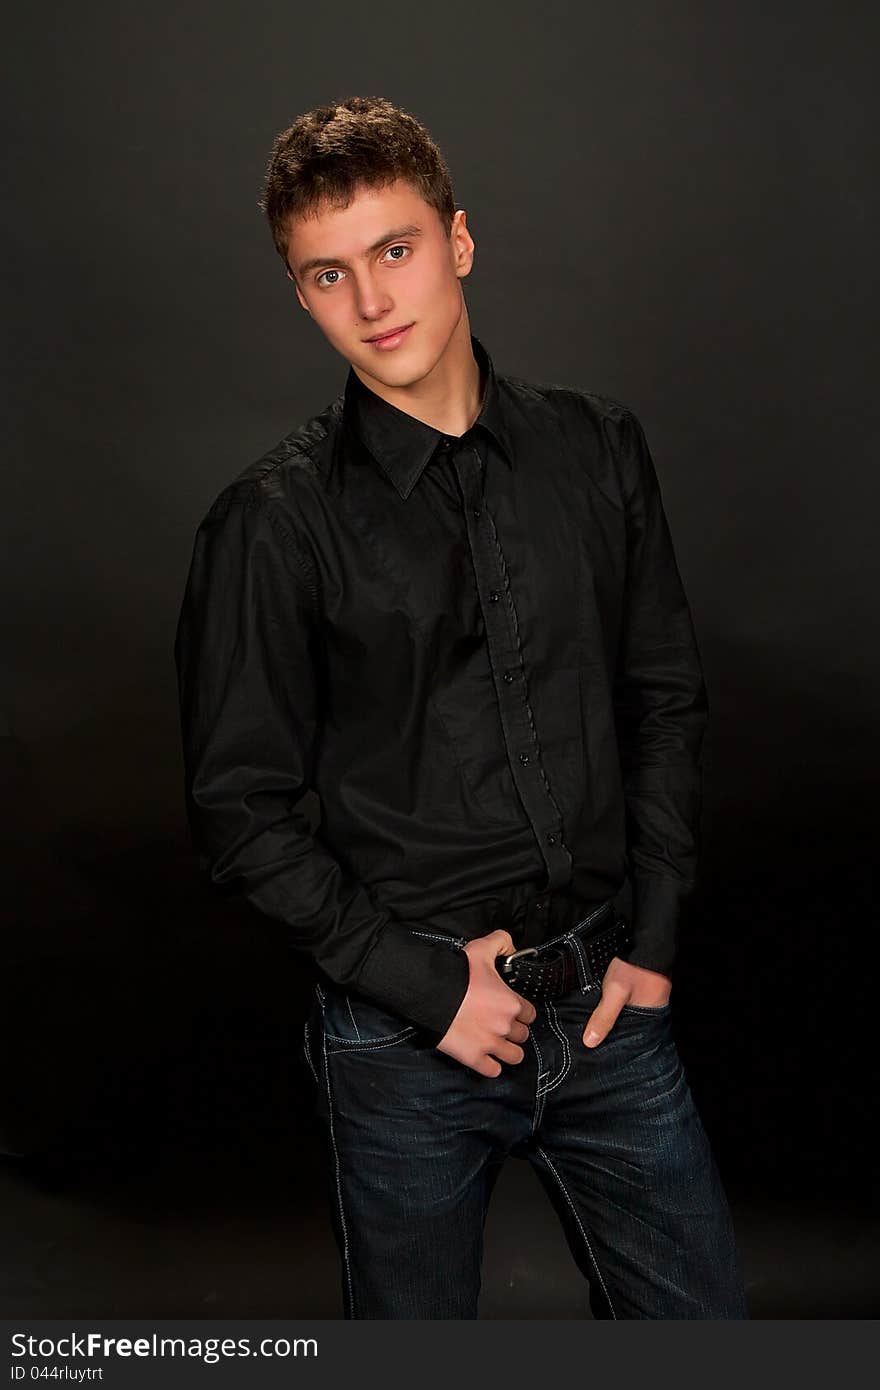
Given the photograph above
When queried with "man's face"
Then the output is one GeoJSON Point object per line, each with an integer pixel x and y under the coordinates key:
{"type": "Point", "coordinates": [386, 263]}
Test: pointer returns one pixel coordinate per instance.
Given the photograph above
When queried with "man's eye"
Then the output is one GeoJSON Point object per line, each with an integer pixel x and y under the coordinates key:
{"type": "Point", "coordinates": [320, 278]}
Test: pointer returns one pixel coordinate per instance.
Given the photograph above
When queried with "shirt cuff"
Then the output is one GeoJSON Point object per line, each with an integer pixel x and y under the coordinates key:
{"type": "Point", "coordinates": [656, 913]}
{"type": "Point", "coordinates": [424, 981]}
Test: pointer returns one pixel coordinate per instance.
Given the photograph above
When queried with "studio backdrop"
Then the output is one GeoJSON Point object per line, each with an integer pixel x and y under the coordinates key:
{"type": "Point", "coordinates": [673, 205]}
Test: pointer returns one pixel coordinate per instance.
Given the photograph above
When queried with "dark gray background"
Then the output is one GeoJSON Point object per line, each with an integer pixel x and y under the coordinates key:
{"type": "Point", "coordinates": [673, 204]}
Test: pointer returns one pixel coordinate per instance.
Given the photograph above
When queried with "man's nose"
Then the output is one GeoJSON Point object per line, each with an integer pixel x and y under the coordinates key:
{"type": "Point", "coordinates": [372, 300]}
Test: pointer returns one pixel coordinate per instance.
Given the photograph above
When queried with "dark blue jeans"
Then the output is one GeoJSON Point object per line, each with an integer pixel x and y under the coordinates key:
{"type": "Point", "coordinates": [415, 1141]}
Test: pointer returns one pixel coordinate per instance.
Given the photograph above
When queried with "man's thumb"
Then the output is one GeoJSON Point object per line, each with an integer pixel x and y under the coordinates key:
{"type": "Point", "coordinates": [601, 1021]}
{"type": "Point", "coordinates": [502, 943]}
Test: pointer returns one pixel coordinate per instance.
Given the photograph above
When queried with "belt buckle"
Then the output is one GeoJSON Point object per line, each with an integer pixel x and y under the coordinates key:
{"type": "Point", "coordinates": [506, 965]}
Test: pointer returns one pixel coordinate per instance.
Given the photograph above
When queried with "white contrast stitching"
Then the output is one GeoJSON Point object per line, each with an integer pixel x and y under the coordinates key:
{"type": "Point", "coordinates": [577, 1218]}
{"type": "Point", "coordinates": [648, 1008]}
{"type": "Point", "coordinates": [538, 1092]}
{"type": "Point", "coordinates": [566, 1049]}
{"type": "Point", "coordinates": [578, 926]}
{"type": "Point", "coordinates": [579, 960]}
{"type": "Point", "coordinates": [439, 936]}
{"type": "Point", "coordinates": [351, 1016]}
{"type": "Point", "coordinates": [306, 1052]}
{"type": "Point", "coordinates": [345, 1255]}
{"type": "Point", "coordinates": [349, 1045]}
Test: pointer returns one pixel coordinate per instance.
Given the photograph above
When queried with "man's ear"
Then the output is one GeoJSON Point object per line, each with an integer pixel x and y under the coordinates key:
{"type": "Point", "coordinates": [462, 244]}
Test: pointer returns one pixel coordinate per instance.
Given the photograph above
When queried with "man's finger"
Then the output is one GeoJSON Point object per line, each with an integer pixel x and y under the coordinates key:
{"type": "Point", "coordinates": [527, 1012]}
{"type": "Point", "coordinates": [507, 1051]}
{"type": "Point", "coordinates": [603, 1017]}
{"type": "Point", "coordinates": [517, 1032]}
{"type": "Point", "coordinates": [488, 1067]}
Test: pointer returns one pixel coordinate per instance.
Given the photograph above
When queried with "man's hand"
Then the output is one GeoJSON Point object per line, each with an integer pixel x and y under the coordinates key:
{"type": "Point", "coordinates": [622, 984]}
{"type": "Point", "coordinates": [491, 1019]}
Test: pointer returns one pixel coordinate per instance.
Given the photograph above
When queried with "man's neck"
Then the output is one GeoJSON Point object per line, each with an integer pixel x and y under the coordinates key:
{"type": "Point", "coordinates": [450, 397]}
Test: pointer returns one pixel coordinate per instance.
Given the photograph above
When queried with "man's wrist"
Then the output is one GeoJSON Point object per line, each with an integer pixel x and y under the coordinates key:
{"type": "Point", "coordinates": [423, 981]}
{"type": "Point", "coordinates": [657, 908]}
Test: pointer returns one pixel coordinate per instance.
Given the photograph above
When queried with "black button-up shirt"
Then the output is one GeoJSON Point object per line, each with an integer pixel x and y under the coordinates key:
{"type": "Point", "coordinates": [478, 653]}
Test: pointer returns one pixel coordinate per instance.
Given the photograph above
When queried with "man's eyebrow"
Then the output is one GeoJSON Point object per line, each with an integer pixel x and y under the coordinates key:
{"type": "Point", "coordinates": [393, 235]}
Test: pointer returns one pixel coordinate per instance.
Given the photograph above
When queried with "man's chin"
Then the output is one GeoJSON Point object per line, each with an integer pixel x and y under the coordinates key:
{"type": "Point", "coordinates": [392, 369]}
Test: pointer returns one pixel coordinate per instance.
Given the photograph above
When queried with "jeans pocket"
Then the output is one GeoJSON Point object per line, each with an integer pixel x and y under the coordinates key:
{"type": "Point", "coordinates": [355, 1024]}
{"type": "Point", "coordinates": [647, 1010]}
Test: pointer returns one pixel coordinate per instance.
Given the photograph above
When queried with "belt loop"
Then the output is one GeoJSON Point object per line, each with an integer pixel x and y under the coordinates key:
{"type": "Point", "coordinates": [579, 960]}
{"type": "Point", "coordinates": [596, 914]}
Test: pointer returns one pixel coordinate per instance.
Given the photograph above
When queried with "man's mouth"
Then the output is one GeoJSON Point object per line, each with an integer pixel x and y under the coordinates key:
{"type": "Point", "coordinates": [390, 339]}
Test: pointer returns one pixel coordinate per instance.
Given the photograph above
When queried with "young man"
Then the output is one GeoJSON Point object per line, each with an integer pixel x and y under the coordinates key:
{"type": "Point", "coordinates": [448, 604]}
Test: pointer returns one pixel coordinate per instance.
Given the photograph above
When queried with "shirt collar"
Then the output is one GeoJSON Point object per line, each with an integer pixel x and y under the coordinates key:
{"type": "Point", "coordinates": [401, 444]}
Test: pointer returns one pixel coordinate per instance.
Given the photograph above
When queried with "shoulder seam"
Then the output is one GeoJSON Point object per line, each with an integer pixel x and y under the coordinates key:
{"type": "Point", "coordinates": [257, 500]}
{"type": "Point", "coordinates": [249, 494]}
{"type": "Point", "coordinates": [548, 389]}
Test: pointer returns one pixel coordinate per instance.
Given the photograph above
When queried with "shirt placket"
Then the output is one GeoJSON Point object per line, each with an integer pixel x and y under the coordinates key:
{"type": "Point", "coordinates": [509, 673]}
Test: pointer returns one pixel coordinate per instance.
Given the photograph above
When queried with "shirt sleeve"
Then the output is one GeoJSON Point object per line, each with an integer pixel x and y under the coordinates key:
{"type": "Point", "coordinates": [661, 712]}
{"type": "Point", "coordinates": [248, 679]}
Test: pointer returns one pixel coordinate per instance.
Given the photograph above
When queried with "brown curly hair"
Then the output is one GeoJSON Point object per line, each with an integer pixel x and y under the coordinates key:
{"type": "Point", "coordinates": [331, 152]}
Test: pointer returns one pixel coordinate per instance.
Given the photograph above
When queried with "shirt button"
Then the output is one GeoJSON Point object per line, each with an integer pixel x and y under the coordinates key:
{"type": "Point", "coordinates": [523, 757]}
{"type": "Point", "coordinates": [477, 511]}
{"type": "Point", "coordinates": [551, 839]}
{"type": "Point", "coordinates": [508, 676]}
{"type": "Point", "coordinates": [494, 596]}
{"type": "Point", "coordinates": [541, 904]}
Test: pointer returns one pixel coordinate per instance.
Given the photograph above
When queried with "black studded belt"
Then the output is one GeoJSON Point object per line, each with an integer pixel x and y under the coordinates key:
{"type": "Point", "coordinates": [577, 959]}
